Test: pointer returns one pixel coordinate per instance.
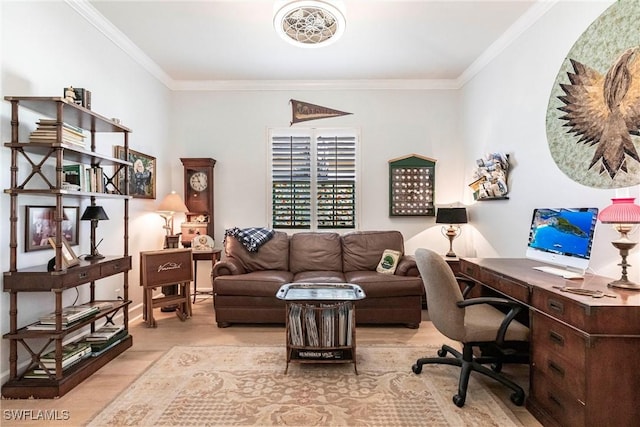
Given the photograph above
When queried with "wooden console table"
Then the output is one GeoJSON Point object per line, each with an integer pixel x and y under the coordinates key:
{"type": "Point", "coordinates": [584, 350]}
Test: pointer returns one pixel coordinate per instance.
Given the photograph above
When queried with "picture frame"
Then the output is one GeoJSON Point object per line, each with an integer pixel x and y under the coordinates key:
{"type": "Point", "coordinates": [40, 225]}
{"type": "Point", "coordinates": [412, 186]}
{"type": "Point", "coordinates": [142, 174]}
{"type": "Point", "coordinates": [69, 258]}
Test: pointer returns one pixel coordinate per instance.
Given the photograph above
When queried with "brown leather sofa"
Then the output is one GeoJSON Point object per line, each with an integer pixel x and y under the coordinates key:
{"type": "Point", "coordinates": [245, 283]}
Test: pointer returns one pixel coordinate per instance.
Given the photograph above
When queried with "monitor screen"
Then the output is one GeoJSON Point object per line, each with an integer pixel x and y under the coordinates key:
{"type": "Point", "coordinates": [562, 236]}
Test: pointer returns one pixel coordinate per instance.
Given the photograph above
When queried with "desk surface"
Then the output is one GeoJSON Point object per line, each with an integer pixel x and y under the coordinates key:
{"type": "Point", "coordinates": [520, 270]}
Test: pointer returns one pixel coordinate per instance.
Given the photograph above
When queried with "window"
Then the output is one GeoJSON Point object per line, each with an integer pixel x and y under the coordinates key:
{"type": "Point", "coordinates": [313, 178]}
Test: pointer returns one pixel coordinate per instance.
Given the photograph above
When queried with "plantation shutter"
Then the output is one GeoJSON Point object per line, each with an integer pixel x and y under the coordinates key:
{"type": "Point", "coordinates": [291, 181]}
{"type": "Point", "coordinates": [336, 181]}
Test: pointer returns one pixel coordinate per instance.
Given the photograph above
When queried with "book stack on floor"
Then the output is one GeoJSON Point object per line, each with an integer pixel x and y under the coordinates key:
{"type": "Point", "coordinates": [71, 354]}
{"type": "Point", "coordinates": [104, 338]}
{"type": "Point", "coordinates": [70, 316]}
{"type": "Point", "coordinates": [46, 132]}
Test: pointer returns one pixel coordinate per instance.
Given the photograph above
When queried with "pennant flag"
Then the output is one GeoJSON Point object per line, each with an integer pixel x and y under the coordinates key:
{"type": "Point", "coordinates": [303, 111]}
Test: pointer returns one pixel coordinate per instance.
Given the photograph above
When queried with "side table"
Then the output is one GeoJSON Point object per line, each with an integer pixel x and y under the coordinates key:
{"type": "Point", "coordinates": [320, 322]}
{"type": "Point", "coordinates": [212, 256]}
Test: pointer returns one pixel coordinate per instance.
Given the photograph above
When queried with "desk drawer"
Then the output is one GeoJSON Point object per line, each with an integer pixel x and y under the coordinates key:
{"type": "Point", "coordinates": [501, 284]}
{"type": "Point", "coordinates": [561, 308]}
{"type": "Point", "coordinates": [79, 275]}
{"type": "Point", "coordinates": [114, 267]}
{"type": "Point", "coordinates": [565, 409]}
{"type": "Point", "coordinates": [560, 354]}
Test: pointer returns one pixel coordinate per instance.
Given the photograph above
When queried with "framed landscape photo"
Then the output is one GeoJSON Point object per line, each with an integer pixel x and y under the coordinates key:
{"type": "Point", "coordinates": [69, 258]}
{"type": "Point", "coordinates": [142, 174]}
{"type": "Point", "coordinates": [40, 226]}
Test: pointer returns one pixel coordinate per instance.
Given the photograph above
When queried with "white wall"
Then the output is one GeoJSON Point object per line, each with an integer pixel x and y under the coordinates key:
{"type": "Point", "coordinates": [42, 52]}
{"type": "Point", "coordinates": [231, 127]}
{"type": "Point", "coordinates": [504, 110]}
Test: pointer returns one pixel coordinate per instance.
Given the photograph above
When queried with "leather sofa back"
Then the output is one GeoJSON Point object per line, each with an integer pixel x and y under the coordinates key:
{"type": "Point", "coordinates": [362, 250]}
{"type": "Point", "coordinates": [309, 251]}
{"type": "Point", "coordinates": [273, 255]}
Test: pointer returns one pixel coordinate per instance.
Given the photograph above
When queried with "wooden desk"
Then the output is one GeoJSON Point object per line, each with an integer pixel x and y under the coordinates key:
{"type": "Point", "coordinates": [585, 351]}
{"type": "Point", "coordinates": [213, 256]}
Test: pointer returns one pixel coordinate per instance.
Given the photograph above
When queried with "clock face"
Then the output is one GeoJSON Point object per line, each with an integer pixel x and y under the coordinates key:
{"type": "Point", "coordinates": [198, 181]}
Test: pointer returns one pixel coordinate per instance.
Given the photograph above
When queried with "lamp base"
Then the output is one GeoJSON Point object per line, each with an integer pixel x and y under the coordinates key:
{"type": "Point", "coordinates": [451, 254]}
{"type": "Point", "coordinates": [624, 284]}
{"type": "Point", "coordinates": [93, 257]}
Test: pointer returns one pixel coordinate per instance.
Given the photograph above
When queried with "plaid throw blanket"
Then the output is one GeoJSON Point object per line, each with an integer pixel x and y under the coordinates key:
{"type": "Point", "coordinates": [251, 238]}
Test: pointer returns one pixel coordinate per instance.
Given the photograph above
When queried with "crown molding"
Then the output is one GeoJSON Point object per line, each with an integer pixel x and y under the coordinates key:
{"type": "Point", "coordinates": [91, 14]}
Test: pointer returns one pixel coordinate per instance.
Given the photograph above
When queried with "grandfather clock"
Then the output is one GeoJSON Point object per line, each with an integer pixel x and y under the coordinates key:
{"type": "Point", "coordinates": [198, 196]}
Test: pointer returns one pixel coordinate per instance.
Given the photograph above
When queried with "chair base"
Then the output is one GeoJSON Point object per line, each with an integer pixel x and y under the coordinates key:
{"type": "Point", "coordinates": [468, 363]}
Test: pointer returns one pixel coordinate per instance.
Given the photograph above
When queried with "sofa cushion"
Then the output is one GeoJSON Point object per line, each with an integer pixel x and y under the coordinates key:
{"type": "Point", "coordinates": [381, 285]}
{"type": "Point", "coordinates": [273, 255]}
{"type": "Point", "coordinates": [259, 283]}
{"type": "Point", "coordinates": [309, 251]}
{"type": "Point", "coordinates": [319, 277]}
{"type": "Point", "coordinates": [361, 250]}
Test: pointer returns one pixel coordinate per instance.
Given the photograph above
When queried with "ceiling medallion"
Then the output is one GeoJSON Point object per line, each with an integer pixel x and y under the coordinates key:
{"type": "Point", "coordinates": [310, 23]}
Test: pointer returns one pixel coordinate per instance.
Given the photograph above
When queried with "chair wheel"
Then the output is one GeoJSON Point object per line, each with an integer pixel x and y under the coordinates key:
{"type": "Point", "coordinates": [458, 401]}
{"type": "Point", "coordinates": [416, 368]}
{"type": "Point", "coordinates": [442, 352]}
{"type": "Point", "coordinates": [517, 398]}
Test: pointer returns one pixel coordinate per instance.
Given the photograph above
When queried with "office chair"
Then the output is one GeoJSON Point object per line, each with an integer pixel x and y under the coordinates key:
{"type": "Point", "coordinates": [475, 323]}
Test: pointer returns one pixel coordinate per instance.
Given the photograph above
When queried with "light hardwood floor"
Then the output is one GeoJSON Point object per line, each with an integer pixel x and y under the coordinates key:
{"type": "Point", "coordinates": [85, 401]}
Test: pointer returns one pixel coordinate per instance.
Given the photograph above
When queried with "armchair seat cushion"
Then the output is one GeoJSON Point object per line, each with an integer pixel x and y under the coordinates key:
{"type": "Point", "coordinates": [482, 322]}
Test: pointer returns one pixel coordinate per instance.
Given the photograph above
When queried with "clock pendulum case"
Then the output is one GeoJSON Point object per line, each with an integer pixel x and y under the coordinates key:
{"type": "Point", "coordinates": [198, 196]}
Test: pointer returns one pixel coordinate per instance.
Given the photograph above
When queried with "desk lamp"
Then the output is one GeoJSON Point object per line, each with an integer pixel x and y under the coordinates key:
{"type": "Point", "coordinates": [624, 215]}
{"type": "Point", "coordinates": [94, 214]}
{"type": "Point", "coordinates": [453, 217]}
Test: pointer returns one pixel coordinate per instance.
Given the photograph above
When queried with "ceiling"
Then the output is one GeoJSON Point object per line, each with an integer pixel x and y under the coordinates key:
{"type": "Point", "coordinates": [232, 43]}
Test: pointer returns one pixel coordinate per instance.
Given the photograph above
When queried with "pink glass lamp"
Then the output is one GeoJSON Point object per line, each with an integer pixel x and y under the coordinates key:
{"type": "Point", "coordinates": [624, 215]}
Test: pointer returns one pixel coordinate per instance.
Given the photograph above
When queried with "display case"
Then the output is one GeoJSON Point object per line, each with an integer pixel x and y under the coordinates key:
{"type": "Point", "coordinates": [411, 186]}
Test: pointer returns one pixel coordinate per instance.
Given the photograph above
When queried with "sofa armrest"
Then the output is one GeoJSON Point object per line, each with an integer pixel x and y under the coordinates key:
{"type": "Point", "coordinates": [227, 267]}
{"type": "Point", "coordinates": [407, 267]}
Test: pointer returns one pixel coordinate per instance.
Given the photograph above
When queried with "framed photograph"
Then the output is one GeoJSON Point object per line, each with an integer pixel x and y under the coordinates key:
{"type": "Point", "coordinates": [142, 175]}
{"type": "Point", "coordinates": [69, 258]}
{"type": "Point", "coordinates": [40, 226]}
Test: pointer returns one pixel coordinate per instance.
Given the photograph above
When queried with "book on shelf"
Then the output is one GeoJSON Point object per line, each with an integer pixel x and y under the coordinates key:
{"type": "Point", "coordinates": [70, 314]}
{"type": "Point", "coordinates": [68, 362]}
{"type": "Point", "coordinates": [47, 131]}
{"type": "Point", "coordinates": [70, 352]}
{"type": "Point", "coordinates": [100, 347]}
{"type": "Point", "coordinates": [104, 333]}
{"type": "Point", "coordinates": [74, 174]}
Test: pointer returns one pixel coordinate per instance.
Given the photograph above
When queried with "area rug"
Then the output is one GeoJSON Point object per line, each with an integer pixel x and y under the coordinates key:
{"type": "Point", "coordinates": [247, 386]}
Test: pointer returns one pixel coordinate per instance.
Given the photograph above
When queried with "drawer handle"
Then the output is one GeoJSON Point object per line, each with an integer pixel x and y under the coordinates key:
{"type": "Point", "coordinates": [556, 306]}
{"type": "Point", "coordinates": [116, 267]}
{"type": "Point", "coordinates": [82, 275]}
{"type": "Point", "coordinates": [556, 338]}
{"type": "Point", "coordinates": [555, 400]}
{"type": "Point", "coordinates": [555, 368]}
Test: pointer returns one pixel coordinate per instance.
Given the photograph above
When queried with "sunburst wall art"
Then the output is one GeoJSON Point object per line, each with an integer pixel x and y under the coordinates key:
{"type": "Point", "coordinates": [593, 117]}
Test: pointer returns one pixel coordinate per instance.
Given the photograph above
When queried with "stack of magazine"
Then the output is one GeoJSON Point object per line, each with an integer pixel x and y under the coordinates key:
{"type": "Point", "coordinates": [104, 338]}
{"type": "Point", "coordinates": [70, 316]}
{"type": "Point", "coordinates": [71, 354]}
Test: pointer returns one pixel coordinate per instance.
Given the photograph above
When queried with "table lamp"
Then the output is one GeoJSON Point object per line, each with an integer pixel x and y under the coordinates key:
{"type": "Point", "coordinates": [624, 215]}
{"type": "Point", "coordinates": [170, 205]}
{"type": "Point", "coordinates": [453, 217]}
{"type": "Point", "coordinates": [94, 214]}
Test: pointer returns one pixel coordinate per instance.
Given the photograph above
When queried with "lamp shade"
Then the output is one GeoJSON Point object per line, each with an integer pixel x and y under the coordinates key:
{"type": "Point", "coordinates": [621, 211]}
{"type": "Point", "coordinates": [172, 203]}
{"type": "Point", "coordinates": [94, 213]}
{"type": "Point", "coordinates": [451, 216]}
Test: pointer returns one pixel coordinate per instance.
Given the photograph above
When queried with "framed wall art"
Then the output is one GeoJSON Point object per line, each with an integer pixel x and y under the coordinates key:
{"type": "Point", "coordinates": [142, 175]}
{"type": "Point", "coordinates": [40, 226]}
{"type": "Point", "coordinates": [411, 186]}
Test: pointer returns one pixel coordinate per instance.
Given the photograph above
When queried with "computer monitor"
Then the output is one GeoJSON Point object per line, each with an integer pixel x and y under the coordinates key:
{"type": "Point", "coordinates": [562, 236]}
